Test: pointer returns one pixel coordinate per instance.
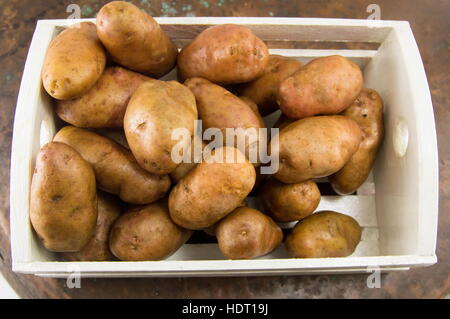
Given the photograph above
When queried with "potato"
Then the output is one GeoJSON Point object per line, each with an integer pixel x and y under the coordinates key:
{"type": "Point", "coordinates": [324, 234]}
{"type": "Point", "coordinates": [247, 233]}
{"type": "Point", "coordinates": [75, 60]}
{"type": "Point", "coordinates": [146, 233]}
{"type": "Point", "coordinates": [135, 40]}
{"type": "Point", "coordinates": [63, 200]}
{"type": "Point", "coordinates": [263, 90]}
{"type": "Point", "coordinates": [154, 111]}
{"type": "Point", "coordinates": [218, 108]}
{"type": "Point", "coordinates": [116, 170]}
{"type": "Point", "coordinates": [213, 189]}
{"type": "Point", "coordinates": [315, 147]}
{"type": "Point", "coordinates": [323, 86]}
{"type": "Point", "coordinates": [225, 54]}
{"type": "Point", "coordinates": [367, 111]}
{"type": "Point", "coordinates": [289, 202]}
{"type": "Point", "coordinates": [104, 105]}
{"type": "Point", "coordinates": [97, 249]}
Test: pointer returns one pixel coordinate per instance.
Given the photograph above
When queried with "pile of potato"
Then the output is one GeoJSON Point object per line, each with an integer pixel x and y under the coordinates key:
{"type": "Point", "coordinates": [95, 199]}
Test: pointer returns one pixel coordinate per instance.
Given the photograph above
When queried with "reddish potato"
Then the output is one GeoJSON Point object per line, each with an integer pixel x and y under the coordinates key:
{"type": "Point", "coordinates": [224, 54]}
{"type": "Point", "coordinates": [323, 86]}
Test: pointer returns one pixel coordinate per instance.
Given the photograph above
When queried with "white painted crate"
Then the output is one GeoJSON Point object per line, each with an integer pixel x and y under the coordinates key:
{"type": "Point", "coordinates": [397, 206]}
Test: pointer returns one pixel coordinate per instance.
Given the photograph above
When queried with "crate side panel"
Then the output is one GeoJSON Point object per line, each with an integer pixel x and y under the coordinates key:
{"type": "Point", "coordinates": [428, 169]}
{"type": "Point", "coordinates": [288, 29]}
{"type": "Point", "coordinates": [33, 107]}
{"type": "Point", "coordinates": [396, 178]}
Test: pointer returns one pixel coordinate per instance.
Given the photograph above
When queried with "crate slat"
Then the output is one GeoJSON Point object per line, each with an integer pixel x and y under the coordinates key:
{"type": "Point", "coordinates": [367, 247]}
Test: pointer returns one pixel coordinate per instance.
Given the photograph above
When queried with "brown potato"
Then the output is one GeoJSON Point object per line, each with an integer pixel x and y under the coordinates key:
{"type": "Point", "coordinates": [218, 108]}
{"type": "Point", "coordinates": [149, 126]}
{"type": "Point", "coordinates": [146, 233]}
{"type": "Point", "coordinates": [367, 111]}
{"type": "Point", "coordinates": [63, 200]}
{"type": "Point", "coordinates": [97, 249]}
{"type": "Point", "coordinates": [75, 60]}
{"type": "Point", "coordinates": [315, 147]}
{"type": "Point", "coordinates": [116, 169]}
{"type": "Point", "coordinates": [323, 86]}
{"type": "Point", "coordinates": [263, 90]}
{"type": "Point", "coordinates": [135, 40]}
{"type": "Point", "coordinates": [213, 189]}
{"type": "Point", "coordinates": [247, 233]}
{"type": "Point", "coordinates": [289, 202]}
{"type": "Point", "coordinates": [324, 234]}
{"type": "Point", "coordinates": [225, 54]}
{"type": "Point", "coordinates": [104, 105]}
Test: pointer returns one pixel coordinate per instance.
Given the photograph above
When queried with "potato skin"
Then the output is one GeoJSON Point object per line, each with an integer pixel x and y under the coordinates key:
{"type": "Point", "coordinates": [146, 233]}
{"type": "Point", "coordinates": [148, 126]}
{"type": "Point", "coordinates": [219, 108]}
{"type": "Point", "coordinates": [74, 61]}
{"type": "Point", "coordinates": [289, 202]}
{"type": "Point", "coordinates": [116, 170]}
{"type": "Point", "coordinates": [316, 147]}
{"type": "Point", "coordinates": [367, 111]}
{"type": "Point", "coordinates": [323, 86]}
{"type": "Point", "coordinates": [263, 90]}
{"type": "Point", "coordinates": [324, 234]}
{"type": "Point", "coordinates": [211, 190]}
{"type": "Point", "coordinates": [135, 40]}
{"type": "Point", "coordinates": [225, 54]}
{"type": "Point", "coordinates": [63, 201]}
{"type": "Point", "coordinates": [247, 233]}
{"type": "Point", "coordinates": [104, 105]}
{"type": "Point", "coordinates": [97, 249]}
